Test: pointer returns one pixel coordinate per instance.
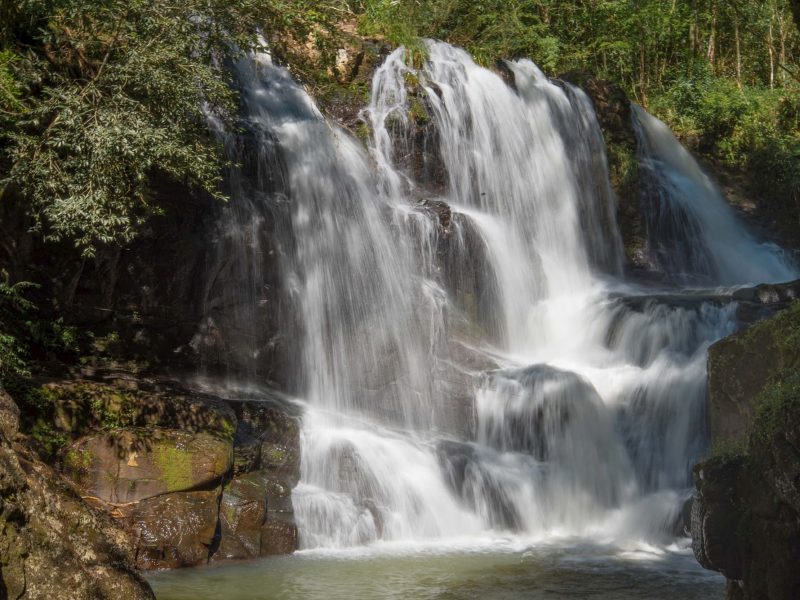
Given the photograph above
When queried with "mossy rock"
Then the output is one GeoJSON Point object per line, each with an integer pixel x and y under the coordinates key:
{"type": "Point", "coordinates": [57, 412]}
{"type": "Point", "coordinates": [131, 465]}
{"type": "Point", "coordinates": [741, 365]}
{"type": "Point", "coordinates": [746, 516]}
{"type": "Point", "coordinates": [52, 543]}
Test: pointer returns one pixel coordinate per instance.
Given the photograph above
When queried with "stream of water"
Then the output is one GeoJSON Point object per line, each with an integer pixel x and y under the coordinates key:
{"type": "Point", "coordinates": [490, 409]}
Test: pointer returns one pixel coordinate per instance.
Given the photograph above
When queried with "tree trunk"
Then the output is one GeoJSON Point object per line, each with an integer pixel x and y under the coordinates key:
{"type": "Point", "coordinates": [770, 47]}
{"type": "Point", "coordinates": [738, 51]}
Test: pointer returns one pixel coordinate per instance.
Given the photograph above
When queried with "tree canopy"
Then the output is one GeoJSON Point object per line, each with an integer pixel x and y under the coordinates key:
{"type": "Point", "coordinates": [99, 96]}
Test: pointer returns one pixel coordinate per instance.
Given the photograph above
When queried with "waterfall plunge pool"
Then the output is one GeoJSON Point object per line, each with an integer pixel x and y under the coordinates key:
{"type": "Point", "coordinates": [453, 570]}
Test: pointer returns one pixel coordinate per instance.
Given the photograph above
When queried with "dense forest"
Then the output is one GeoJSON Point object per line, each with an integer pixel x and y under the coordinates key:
{"type": "Point", "coordinates": [97, 98]}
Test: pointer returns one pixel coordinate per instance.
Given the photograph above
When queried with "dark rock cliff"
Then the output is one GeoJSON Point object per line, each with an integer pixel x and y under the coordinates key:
{"type": "Point", "coordinates": [746, 512]}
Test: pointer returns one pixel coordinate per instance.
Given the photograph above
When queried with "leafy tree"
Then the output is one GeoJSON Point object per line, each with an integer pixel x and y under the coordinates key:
{"type": "Point", "coordinates": [99, 97]}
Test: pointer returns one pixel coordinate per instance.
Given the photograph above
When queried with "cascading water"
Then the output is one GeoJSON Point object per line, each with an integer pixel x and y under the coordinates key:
{"type": "Point", "coordinates": [469, 364]}
{"type": "Point", "coordinates": [694, 235]}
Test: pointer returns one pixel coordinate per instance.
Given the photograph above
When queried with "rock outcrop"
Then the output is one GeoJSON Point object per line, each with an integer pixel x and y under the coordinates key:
{"type": "Point", "coordinates": [741, 365]}
{"type": "Point", "coordinates": [52, 544]}
{"type": "Point", "coordinates": [190, 477]}
{"type": "Point", "coordinates": [746, 512]}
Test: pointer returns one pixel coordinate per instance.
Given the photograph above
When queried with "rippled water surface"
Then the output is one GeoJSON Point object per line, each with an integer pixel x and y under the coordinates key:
{"type": "Point", "coordinates": [493, 572]}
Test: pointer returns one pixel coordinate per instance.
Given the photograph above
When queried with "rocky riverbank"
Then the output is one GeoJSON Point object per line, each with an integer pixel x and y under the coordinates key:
{"type": "Point", "coordinates": [141, 476]}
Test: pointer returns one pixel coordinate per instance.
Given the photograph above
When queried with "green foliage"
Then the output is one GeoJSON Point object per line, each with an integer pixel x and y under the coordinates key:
{"type": "Point", "coordinates": [755, 129]}
{"type": "Point", "coordinates": [115, 92]}
{"type": "Point", "coordinates": [9, 88]}
{"type": "Point", "coordinates": [26, 335]}
{"type": "Point", "coordinates": [778, 404]}
{"type": "Point", "coordinates": [721, 71]}
{"type": "Point", "coordinates": [13, 351]}
{"type": "Point", "coordinates": [490, 29]}
{"type": "Point", "coordinates": [99, 97]}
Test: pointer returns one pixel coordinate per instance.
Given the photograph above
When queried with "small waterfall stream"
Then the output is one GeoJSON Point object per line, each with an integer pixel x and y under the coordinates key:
{"type": "Point", "coordinates": [488, 373]}
{"type": "Point", "coordinates": [694, 234]}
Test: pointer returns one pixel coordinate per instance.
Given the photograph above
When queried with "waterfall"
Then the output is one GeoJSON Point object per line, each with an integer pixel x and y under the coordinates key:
{"type": "Point", "coordinates": [693, 233]}
{"type": "Point", "coordinates": [469, 360]}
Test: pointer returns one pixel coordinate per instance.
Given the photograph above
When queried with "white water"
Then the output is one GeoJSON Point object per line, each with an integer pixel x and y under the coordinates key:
{"type": "Point", "coordinates": [487, 379]}
{"type": "Point", "coordinates": [695, 234]}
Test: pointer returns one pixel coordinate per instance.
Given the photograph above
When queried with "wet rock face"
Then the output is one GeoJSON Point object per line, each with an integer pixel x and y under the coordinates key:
{"type": "Point", "coordinates": [746, 522]}
{"type": "Point", "coordinates": [52, 544]}
{"type": "Point", "coordinates": [611, 103]}
{"type": "Point", "coordinates": [746, 512]}
{"type": "Point", "coordinates": [256, 514]}
{"type": "Point", "coordinates": [172, 297]}
{"type": "Point", "coordinates": [175, 530]}
{"type": "Point", "coordinates": [613, 109]}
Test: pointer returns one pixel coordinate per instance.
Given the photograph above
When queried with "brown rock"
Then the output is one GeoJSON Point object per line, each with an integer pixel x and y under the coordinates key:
{"type": "Point", "coordinates": [52, 544]}
{"type": "Point", "coordinates": [176, 530]}
{"type": "Point", "coordinates": [278, 537]}
{"type": "Point", "coordinates": [257, 517]}
{"type": "Point", "coordinates": [134, 464]}
{"type": "Point", "coordinates": [243, 513]}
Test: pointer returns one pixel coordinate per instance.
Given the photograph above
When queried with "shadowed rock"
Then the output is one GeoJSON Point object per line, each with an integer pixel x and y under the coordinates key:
{"type": "Point", "coordinates": [52, 544]}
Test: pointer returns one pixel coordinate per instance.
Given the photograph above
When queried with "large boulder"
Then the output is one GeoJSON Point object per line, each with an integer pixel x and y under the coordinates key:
{"type": "Point", "coordinates": [190, 476]}
{"type": "Point", "coordinates": [130, 465]}
{"type": "Point", "coordinates": [175, 530]}
{"type": "Point", "coordinates": [256, 512]}
{"type": "Point", "coordinates": [53, 544]}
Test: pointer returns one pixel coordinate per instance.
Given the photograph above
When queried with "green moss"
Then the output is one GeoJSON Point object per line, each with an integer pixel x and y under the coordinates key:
{"type": "Point", "coordinates": [228, 430]}
{"type": "Point", "coordinates": [175, 465]}
{"type": "Point", "coordinates": [777, 407]}
{"type": "Point", "coordinates": [229, 512]}
{"type": "Point", "coordinates": [725, 449]}
{"type": "Point", "coordinates": [78, 460]}
{"type": "Point", "coordinates": [417, 111]}
{"type": "Point", "coordinates": [274, 454]}
{"type": "Point", "coordinates": [49, 440]}
{"type": "Point", "coordinates": [363, 133]}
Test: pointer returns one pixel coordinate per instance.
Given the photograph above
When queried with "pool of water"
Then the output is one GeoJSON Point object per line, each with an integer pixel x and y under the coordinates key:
{"type": "Point", "coordinates": [493, 570]}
